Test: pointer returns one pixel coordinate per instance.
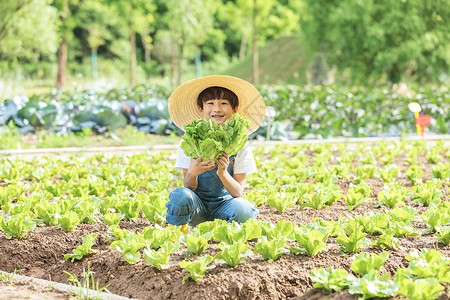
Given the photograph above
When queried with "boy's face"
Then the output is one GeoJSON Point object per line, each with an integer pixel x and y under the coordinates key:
{"type": "Point", "coordinates": [219, 110]}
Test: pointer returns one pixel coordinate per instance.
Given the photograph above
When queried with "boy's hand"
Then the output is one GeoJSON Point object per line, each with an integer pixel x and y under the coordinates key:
{"type": "Point", "coordinates": [198, 166]}
{"type": "Point", "coordinates": [222, 164]}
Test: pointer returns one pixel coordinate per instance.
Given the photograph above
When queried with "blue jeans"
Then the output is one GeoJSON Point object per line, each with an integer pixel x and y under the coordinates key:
{"type": "Point", "coordinates": [209, 201]}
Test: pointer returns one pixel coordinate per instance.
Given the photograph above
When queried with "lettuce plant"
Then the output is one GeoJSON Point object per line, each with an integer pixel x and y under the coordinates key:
{"type": "Point", "coordinates": [112, 218]}
{"type": "Point", "coordinates": [387, 241]}
{"type": "Point", "coordinates": [234, 232]}
{"type": "Point", "coordinates": [435, 216]}
{"type": "Point", "coordinates": [129, 247]}
{"type": "Point", "coordinates": [420, 289]}
{"type": "Point", "coordinates": [160, 258]}
{"type": "Point", "coordinates": [209, 140]}
{"type": "Point", "coordinates": [270, 249]}
{"type": "Point", "coordinates": [353, 239]}
{"type": "Point", "coordinates": [17, 225]}
{"type": "Point", "coordinates": [84, 249]}
{"type": "Point", "coordinates": [389, 173]}
{"type": "Point", "coordinates": [373, 285]}
{"type": "Point", "coordinates": [364, 172]}
{"type": "Point", "coordinates": [282, 201]}
{"type": "Point", "coordinates": [403, 214]}
{"type": "Point", "coordinates": [415, 173]}
{"type": "Point", "coordinates": [197, 268]}
{"type": "Point", "coordinates": [427, 193]}
{"type": "Point", "coordinates": [69, 221]}
{"type": "Point", "coordinates": [233, 254]}
{"type": "Point", "coordinates": [354, 200]}
{"type": "Point", "coordinates": [282, 229]}
{"type": "Point", "coordinates": [443, 234]}
{"type": "Point", "coordinates": [374, 223]}
{"type": "Point", "coordinates": [441, 171]}
{"type": "Point", "coordinates": [364, 262]}
{"type": "Point", "coordinates": [157, 236]}
{"type": "Point", "coordinates": [393, 195]}
{"type": "Point", "coordinates": [312, 240]}
{"type": "Point", "coordinates": [47, 212]}
{"type": "Point", "coordinates": [317, 200]}
{"type": "Point", "coordinates": [195, 241]}
{"type": "Point", "coordinates": [130, 207]}
{"type": "Point", "coordinates": [331, 279]}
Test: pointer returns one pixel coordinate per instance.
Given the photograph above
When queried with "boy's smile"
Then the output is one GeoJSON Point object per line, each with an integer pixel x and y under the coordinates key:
{"type": "Point", "coordinates": [219, 110]}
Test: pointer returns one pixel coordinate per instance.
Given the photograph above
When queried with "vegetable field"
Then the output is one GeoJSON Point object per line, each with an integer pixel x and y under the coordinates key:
{"type": "Point", "coordinates": [337, 221]}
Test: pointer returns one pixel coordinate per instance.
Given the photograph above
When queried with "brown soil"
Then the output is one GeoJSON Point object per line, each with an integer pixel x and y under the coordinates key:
{"type": "Point", "coordinates": [41, 252]}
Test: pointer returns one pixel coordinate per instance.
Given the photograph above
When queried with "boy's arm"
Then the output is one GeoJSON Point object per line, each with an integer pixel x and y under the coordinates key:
{"type": "Point", "coordinates": [197, 167]}
{"type": "Point", "coordinates": [190, 181]}
{"type": "Point", "coordinates": [234, 186]}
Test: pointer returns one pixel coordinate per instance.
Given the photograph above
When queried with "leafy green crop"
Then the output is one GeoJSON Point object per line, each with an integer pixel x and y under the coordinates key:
{"type": "Point", "coordinates": [160, 258]}
{"type": "Point", "coordinates": [270, 249]}
{"type": "Point", "coordinates": [209, 140]}
{"type": "Point", "coordinates": [331, 279]}
{"type": "Point", "coordinates": [373, 285]}
{"type": "Point", "coordinates": [393, 195]}
{"type": "Point", "coordinates": [364, 262]}
{"type": "Point", "coordinates": [195, 241]}
{"type": "Point", "coordinates": [197, 268]}
{"type": "Point", "coordinates": [17, 225]}
{"type": "Point", "coordinates": [282, 201]}
{"type": "Point", "coordinates": [69, 221]}
{"type": "Point", "coordinates": [112, 218]}
{"type": "Point", "coordinates": [129, 247]}
{"type": "Point", "coordinates": [84, 249]}
{"type": "Point", "coordinates": [312, 240]}
{"type": "Point", "coordinates": [420, 289]}
{"type": "Point", "coordinates": [47, 212]}
{"type": "Point", "coordinates": [353, 239]}
{"type": "Point", "coordinates": [233, 254]}
{"type": "Point", "coordinates": [443, 234]}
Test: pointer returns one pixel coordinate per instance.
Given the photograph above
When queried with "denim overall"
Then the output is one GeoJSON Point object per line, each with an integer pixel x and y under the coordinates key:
{"type": "Point", "coordinates": [209, 201]}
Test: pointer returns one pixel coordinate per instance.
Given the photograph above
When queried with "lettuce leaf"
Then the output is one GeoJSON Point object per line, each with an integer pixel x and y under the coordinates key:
{"type": "Point", "coordinates": [209, 140]}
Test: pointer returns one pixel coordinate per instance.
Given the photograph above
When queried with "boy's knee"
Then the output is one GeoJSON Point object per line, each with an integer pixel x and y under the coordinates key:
{"type": "Point", "coordinates": [180, 206]}
{"type": "Point", "coordinates": [180, 199]}
{"type": "Point", "coordinates": [242, 210]}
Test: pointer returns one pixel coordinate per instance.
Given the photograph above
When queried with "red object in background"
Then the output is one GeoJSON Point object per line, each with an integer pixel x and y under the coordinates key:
{"type": "Point", "coordinates": [423, 120]}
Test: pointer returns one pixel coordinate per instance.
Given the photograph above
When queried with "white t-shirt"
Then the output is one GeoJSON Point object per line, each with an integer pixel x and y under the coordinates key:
{"type": "Point", "coordinates": [243, 163]}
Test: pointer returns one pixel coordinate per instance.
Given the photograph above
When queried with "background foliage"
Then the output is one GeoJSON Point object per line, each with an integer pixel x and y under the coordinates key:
{"type": "Point", "coordinates": [350, 41]}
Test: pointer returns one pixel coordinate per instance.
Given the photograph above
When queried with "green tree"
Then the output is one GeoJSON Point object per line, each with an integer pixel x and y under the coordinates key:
{"type": "Point", "coordinates": [24, 34]}
{"type": "Point", "coordinates": [191, 22]}
{"type": "Point", "coordinates": [67, 23]}
{"type": "Point", "coordinates": [376, 39]}
{"type": "Point", "coordinates": [139, 14]}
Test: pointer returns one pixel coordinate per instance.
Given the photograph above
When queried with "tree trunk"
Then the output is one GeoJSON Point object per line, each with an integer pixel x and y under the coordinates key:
{"type": "Point", "coordinates": [174, 56]}
{"type": "Point", "coordinates": [255, 47]}
{"type": "Point", "coordinates": [180, 59]}
{"type": "Point", "coordinates": [132, 57]}
{"type": "Point", "coordinates": [62, 50]}
{"type": "Point", "coordinates": [145, 44]}
{"type": "Point", "coordinates": [243, 46]}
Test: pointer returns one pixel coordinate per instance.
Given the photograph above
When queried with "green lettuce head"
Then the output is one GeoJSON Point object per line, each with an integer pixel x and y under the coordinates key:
{"type": "Point", "coordinates": [209, 140]}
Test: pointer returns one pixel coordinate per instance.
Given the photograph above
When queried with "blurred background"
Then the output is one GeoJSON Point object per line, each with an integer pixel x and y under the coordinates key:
{"type": "Point", "coordinates": [332, 62]}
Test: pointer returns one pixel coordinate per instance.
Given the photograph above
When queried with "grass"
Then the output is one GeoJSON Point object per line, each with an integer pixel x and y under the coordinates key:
{"type": "Point", "coordinates": [87, 283]}
{"type": "Point", "coordinates": [10, 138]}
{"type": "Point", "coordinates": [8, 277]}
{"type": "Point", "coordinates": [290, 67]}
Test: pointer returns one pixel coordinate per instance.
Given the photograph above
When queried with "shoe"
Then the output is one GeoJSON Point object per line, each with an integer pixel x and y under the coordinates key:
{"type": "Point", "coordinates": [183, 228]}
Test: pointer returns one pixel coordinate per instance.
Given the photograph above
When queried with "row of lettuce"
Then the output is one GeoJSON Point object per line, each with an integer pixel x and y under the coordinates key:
{"type": "Point", "coordinates": [301, 112]}
{"type": "Point", "coordinates": [101, 188]}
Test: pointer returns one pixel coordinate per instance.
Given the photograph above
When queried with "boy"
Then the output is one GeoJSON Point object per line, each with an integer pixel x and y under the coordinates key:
{"type": "Point", "coordinates": [213, 192]}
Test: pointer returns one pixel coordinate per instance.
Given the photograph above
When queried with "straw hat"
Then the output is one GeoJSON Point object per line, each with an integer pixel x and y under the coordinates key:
{"type": "Point", "coordinates": [183, 107]}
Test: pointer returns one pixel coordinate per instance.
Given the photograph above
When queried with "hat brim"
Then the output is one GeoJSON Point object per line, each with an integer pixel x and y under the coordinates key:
{"type": "Point", "coordinates": [183, 107]}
